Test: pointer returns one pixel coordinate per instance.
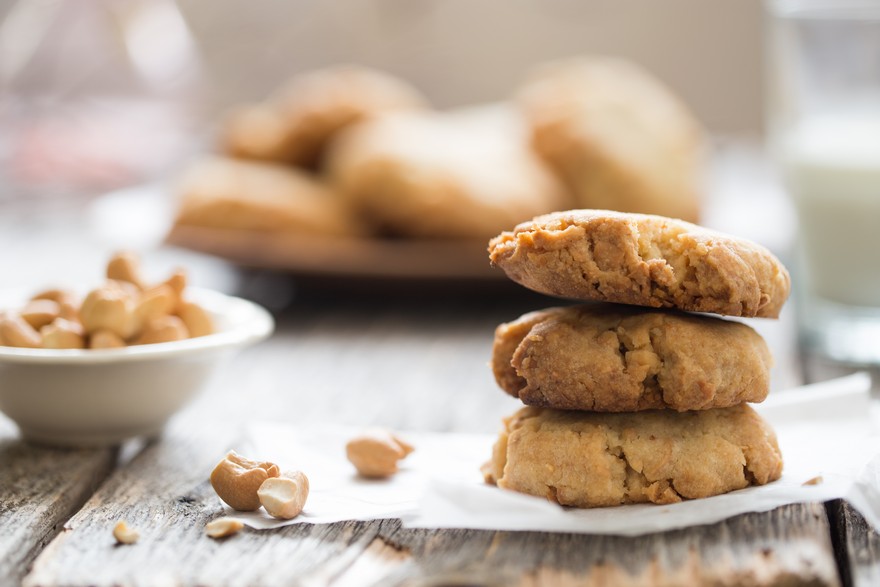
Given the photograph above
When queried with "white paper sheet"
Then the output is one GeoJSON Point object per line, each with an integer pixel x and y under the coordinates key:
{"type": "Point", "coordinates": [337, 493]}
{"type": "Point", "coordinates": [824, 430]}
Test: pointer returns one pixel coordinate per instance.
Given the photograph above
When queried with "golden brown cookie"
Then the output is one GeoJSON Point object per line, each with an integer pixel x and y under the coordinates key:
{"type": "Point", "coordinates": [588, 459]}
{"type": "Point", "coordinates": [467, 173]}
{"type": "Point", "coordinates": [619, 138]}
{"type": "Point", "coordinates": [227, 193]}
{"type": "Point", "coordinates": [613, 358]}
{"type": "Point", "coordinates": [643, 260]}
{"type": "Point", "coordinates": [296, 124]}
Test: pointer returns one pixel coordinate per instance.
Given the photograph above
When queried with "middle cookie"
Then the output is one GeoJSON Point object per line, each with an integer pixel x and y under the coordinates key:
{"type": "Point", "coordinates": [610, 358]}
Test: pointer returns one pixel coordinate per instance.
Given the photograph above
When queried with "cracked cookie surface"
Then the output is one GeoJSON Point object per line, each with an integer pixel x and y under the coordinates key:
{"type": "Point", "coordinates": [613, 358]}
{"type": "Point", "coordinates": [588, 459]}
{"type": "Point", "coordinates": [642, 260]}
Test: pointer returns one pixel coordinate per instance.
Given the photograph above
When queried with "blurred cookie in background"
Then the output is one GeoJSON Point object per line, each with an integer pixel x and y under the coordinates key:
{"type": "Point", "coordinates": [617, 136]}
{"type": "Point", "coordinates": [295, 124]}
{"type": "Point", "coordinates": [218, 192]}
{"type": "Point", "coordinates": [458, 174]}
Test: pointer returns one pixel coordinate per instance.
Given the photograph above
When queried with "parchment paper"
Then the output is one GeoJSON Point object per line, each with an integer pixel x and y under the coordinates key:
{"type": "Point", "coordinates": [824, 430]}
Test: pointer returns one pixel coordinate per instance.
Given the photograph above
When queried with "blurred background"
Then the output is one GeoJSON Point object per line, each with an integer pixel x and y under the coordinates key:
{"type": "Point", "coordinates": [114, 91]}
{"type": "Point", "coordinates": [99, 96]}
{"type": "Point", "coordinates": [461, 52]}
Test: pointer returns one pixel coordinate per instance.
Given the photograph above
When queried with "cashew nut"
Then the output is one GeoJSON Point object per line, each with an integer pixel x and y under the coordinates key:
{"type": "Point", "coordinates": [125, 266]}
{"type": "Point", "coordinates": [69, 311]}
{"type": "Point", "coordinates": [60, 296]}
{"type": "Point", "coordinates": [108, 308]}
{"type": "Point", "coordinates": [68, 302]}
{"type": "Point", "coordinates": [63, 334]}
{"type": "Point", "coordinates": [177, 283]}
{"type": "Point", "coordinates": [38, 313]}
{"type": "Point", "coordinates": [162, 329]}
{"type": "Point", "coordinates": [154, 303]}
{"type": "Point", "coordinates": [105, 339]}
{"type": "Point", "coordinates": [237, 479]}
{"type": "Point", "coordinates": [14, 331]}
{"type": "Point", "coordinates": [375, 453]}
{"type": "Point", "coordinates": [124, 534]}
{"type": "Point", "coordinates": [197, 320]}
{"type": "Point", "coordinates": [284, 497]}
{"type": "Point", "coordinates": [223, 527]}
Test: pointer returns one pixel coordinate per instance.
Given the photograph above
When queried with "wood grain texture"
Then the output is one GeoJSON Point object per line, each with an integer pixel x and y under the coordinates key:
{"type": "Point", "coordinates": [746, 550]}
{"type": "Point", "coordinates": [40, 488]}
{"type": "Point", "coordinates": [164, 493]}
{"type": "Point", "coordinates": [408, 358]}
{"type": "Point", "coordinates": [857, 544]}
{"type": "Point", "coordinates": [160, 493]}
{"type": "Point", "coordinates": [420, 364]}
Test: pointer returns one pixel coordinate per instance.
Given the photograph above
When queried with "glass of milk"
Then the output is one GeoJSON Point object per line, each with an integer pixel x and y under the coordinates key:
{"type": "Point", "coordinates": [824, 132]}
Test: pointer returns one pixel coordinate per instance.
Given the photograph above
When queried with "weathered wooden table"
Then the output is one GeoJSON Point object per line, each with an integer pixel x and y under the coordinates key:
{"type": "Point", "coordinates": [415, 360]}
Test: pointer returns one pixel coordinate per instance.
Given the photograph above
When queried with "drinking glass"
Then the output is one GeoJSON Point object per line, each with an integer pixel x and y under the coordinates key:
{"type": "Point", "coordinates": [824, 133]}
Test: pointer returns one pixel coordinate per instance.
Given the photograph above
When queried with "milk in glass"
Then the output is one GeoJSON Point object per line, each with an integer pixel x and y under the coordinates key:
{"type": "Point", "coordinates": [831, 164]}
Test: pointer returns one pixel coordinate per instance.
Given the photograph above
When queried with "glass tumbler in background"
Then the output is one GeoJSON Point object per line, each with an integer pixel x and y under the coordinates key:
{"type": "Point", "coordinates": [94, 94]}
{"type": "Point", "coordinates": [824, 133]}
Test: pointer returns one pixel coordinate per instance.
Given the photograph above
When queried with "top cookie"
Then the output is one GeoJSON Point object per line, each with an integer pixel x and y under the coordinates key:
{"type": "Point", "coordinates": [642, 260]}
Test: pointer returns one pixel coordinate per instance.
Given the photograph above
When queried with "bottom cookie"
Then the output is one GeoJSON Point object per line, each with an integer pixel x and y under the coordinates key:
{"type": "Point", "coordinates": [588, 459]}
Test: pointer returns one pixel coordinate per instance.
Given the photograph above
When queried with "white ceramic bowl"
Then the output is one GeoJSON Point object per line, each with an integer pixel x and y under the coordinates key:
{"type": "Point", "coordinates": [101, 397]}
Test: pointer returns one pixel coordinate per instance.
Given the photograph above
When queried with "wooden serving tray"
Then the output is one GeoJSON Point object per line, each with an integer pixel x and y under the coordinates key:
{"type": "Point", "coordinates": [342, 256]}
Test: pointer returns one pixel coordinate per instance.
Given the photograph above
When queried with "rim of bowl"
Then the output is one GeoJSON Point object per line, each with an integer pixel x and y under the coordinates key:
{"type": "Point", "coordinates": [242, 323]}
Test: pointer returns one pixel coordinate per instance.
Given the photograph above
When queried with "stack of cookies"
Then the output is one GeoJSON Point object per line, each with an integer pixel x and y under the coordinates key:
{"type": "Point", "coordinates": [639, 402]}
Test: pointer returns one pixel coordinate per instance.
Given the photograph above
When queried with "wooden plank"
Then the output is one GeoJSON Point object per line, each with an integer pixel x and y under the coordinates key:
{"type": "Point", "coordinates": [421, 365]}
{"type": "Point", "coordinates": [857, 543]}
{"type": "Point", "coordinates": [164, 493]}
{"type": "Point", "coordinates": [418, 365]}
{"type": "Point", "coordinates": [40, 488]}
{"type": "Point", "coordinates": [410, 367]}
{"type": "Point", "coordinates": [788, 546]}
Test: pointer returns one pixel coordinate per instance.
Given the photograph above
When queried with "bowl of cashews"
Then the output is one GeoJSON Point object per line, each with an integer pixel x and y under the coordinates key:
{"type": "Point", "coordinates": [96, 367]}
